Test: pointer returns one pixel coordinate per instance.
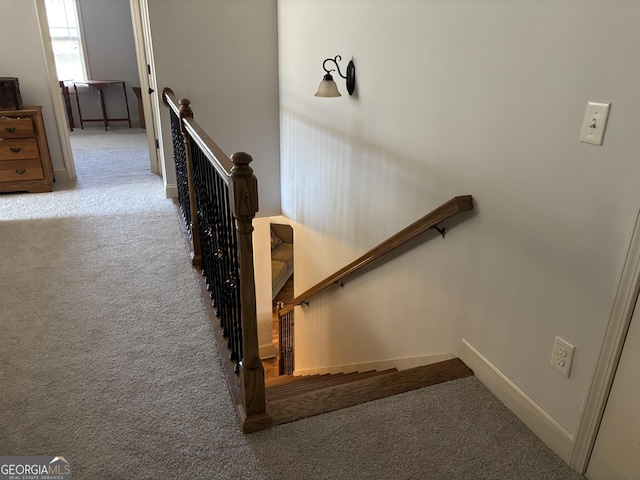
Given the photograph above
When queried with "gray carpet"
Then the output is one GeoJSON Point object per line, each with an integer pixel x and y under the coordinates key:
{"type": "Point", "coordinates": [107, 357]}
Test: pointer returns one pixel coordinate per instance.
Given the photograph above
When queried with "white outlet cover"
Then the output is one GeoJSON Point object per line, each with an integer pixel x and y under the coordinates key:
{"type": "Point", "coordinates": [594, 123]}
{"type": "Point", "coordinates": [562, 356]}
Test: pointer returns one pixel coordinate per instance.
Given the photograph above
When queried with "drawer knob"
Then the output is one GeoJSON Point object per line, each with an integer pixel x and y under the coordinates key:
{"type": "Point", "coordinates": [10, 129]}
{"type": "Point", "coordinates": [15, 149]}
{"type": "Point", "coordinates": [20, 171]}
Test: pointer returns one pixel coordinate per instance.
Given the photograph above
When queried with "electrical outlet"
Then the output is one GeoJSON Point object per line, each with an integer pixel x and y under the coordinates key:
{"type": "Point", "coordinates": [562, 356]}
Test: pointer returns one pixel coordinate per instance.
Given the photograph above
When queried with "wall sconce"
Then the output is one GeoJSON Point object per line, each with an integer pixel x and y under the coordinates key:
{"type": "Point", "coordinates": [328, 87]}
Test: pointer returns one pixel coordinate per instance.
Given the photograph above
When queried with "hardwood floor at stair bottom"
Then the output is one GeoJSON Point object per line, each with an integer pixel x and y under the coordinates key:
{"type": "Point", "coordinates": [301, 404]}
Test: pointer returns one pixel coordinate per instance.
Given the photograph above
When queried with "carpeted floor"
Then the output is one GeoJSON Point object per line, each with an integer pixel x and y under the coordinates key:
{"type": "Point", "coordinates": [107, 357]}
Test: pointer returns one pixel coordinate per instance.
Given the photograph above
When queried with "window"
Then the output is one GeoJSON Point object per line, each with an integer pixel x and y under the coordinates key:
{"type": "Point", "coordinates": [66, 39]}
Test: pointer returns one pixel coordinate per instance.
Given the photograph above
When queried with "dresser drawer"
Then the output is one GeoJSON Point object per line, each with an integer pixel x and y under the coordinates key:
{"type": "Point", "coordinates": [15, 170]}
{"type": "Point", "coordinates": [18, 148]}
{"type": "Point", "coordinates": [16, 127]}
{"type": "Point", "coordinates": [25, 161]}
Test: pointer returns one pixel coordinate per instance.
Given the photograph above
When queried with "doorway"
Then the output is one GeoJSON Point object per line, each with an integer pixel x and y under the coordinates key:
{"type": "Point", "coordinates": [621, 335]}
{"type": "Point", "coordinates": [616, 453]}
{"type": "Point", "coordinates": [110, 43]}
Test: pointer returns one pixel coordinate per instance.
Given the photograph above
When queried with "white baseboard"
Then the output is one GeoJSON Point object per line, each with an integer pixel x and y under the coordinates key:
{"type": "Point", "coordinates": [399, 363]}
{"type": "Point", "coordinates": [267, 351]}
{"type": "Point", "coordinates": [171, 191]}
{"type": "Point", "coordinates": [532, 414]}
{"type": "Point", "coordinates": [60, 174]}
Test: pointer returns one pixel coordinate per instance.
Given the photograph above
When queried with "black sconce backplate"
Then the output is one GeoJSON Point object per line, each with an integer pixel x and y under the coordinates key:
{"type": "Point", "coordinates": [351, 77]}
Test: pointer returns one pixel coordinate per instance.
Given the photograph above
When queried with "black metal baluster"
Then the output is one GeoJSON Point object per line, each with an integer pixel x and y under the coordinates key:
{"type": "Point", "coordinates": [286, 325]}
{"type": "Point", "coordinates": [218, 239]}
{"type": "Point", "coordinates": [220, 273]}
{"type": "Point", "coordinates": [214, 272]}
{"type": "Point", "coordinates": [235, 261]}
{"type": "Point", "coordinates": [180, 161]}
{"type": "Point", "coordinates": [202, 207]}
{"type": "Point", "coordinates": [220, 261]}
{"type": "Point", "coordinates": [230, 277]}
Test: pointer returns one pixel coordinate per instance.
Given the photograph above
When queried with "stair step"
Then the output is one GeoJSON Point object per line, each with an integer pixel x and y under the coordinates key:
{"type": "Point", "coordinates": [307, 403]}
{"type": "Point", "coordinates": [289, 379]}
{"type": "Point", "coordinates": [300, 385]}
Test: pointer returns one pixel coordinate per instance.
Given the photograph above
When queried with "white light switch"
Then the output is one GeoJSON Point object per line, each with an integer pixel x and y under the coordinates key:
{"type": "Point", "coordinates": [595, 123]}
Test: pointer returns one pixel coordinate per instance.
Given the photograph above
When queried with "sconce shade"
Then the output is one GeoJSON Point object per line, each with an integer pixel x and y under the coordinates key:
{"type": "Point", "coordinates": [327, 87]}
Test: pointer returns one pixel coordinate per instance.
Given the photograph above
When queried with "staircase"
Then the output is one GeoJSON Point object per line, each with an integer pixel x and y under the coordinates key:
{"type": "Point", "coordinates": [294, 398]}
{"type": "Point", "coordinates": [218, 200]}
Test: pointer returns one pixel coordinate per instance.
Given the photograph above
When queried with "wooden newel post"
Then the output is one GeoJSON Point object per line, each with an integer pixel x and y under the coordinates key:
{"type": "Point", "coordinates": [243, 189]}
{"type": "Point", "coordinates": [186, 112]}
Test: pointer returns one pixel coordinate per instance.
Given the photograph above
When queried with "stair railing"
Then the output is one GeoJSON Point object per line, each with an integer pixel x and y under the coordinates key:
{"type": "Point", "coordinates": [218, 197]}
{"type": "Point", "coordinates": [430, 221]}
{"type": "Point", "coordinates": [184, 170]}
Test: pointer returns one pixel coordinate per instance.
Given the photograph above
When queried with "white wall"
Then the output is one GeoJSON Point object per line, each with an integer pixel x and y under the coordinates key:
{"type": "Point", "coordinates": [264, 304]}
{"type": "Point", "coordinates": [223, 57]}
{"type": "Point", "coordinates": [22, 56]}
{"type": "Point", "coordinates": [481, 97]}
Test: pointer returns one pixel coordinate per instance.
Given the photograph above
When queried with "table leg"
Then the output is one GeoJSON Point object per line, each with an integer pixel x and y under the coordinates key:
{"type": "Point", "coordinates": [67, 104]}
{"type": "Point", "coordinates": [104, 108]}
{"type": "Point", "coordinates": [126, 103]}
{"type": "Point", "coordinates": [75, 89]}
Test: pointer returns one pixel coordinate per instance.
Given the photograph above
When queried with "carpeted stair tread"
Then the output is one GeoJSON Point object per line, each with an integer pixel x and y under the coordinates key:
{"type": "Point", "coordinates": [317, 401]}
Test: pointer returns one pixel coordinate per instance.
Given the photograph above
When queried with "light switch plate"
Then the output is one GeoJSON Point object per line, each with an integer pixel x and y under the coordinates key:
{"type": "Point", "coordinates": [594, 123]}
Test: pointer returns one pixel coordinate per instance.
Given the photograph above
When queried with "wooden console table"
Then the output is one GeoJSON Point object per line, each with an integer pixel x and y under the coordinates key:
{"type": "Point", "coordinates": [100, 85]}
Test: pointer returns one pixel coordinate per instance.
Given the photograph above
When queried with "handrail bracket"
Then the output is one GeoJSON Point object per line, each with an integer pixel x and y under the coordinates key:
{"type": "Point", "coordinates": [442, 231]}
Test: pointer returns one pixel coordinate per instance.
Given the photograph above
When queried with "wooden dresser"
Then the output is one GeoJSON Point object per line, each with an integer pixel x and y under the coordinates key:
{"type": "Point", "coordinates": [25, 162]}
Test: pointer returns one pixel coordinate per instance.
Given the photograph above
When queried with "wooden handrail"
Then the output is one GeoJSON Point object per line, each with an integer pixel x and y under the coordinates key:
{"type": "Point", "coordinates": [430, 220]}
{"type": "Point", "coordinates": [214, 153]}
{"type": "Point", "coordinates": [169, 99]}
{"type": "Point", "coordinates": [220, 161]}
